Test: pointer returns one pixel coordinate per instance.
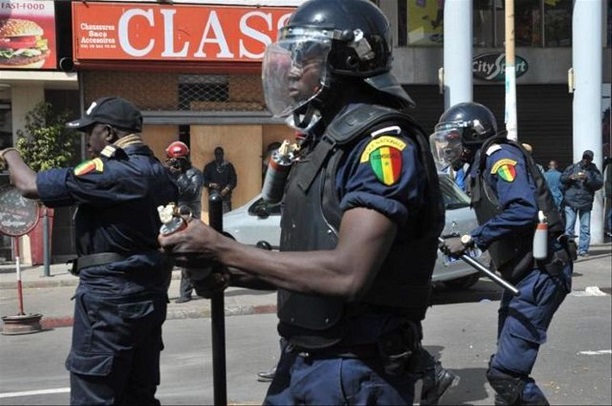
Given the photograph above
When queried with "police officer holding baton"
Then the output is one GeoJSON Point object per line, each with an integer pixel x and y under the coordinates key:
{"type": "Point", "coordinates": [521, 228]}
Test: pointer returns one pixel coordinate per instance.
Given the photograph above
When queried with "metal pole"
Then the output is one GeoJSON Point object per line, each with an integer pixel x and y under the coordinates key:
{"type": "Point", "coordinates": [18, 270]}
{"type": "Point", "coordinates": [510, 118]}
{"type": "Point", "coordinates": [46, 253]}
{"type": "Point", "coordinates": [215, 220]}
{"type": "Point", "coordinates": [492, 275]}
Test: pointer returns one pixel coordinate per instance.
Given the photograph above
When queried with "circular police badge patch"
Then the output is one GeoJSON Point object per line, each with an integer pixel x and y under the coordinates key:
{"type": "Point", "coordinates": [504, 168]}
{"type": "Point", "coordinates": [384, 154]}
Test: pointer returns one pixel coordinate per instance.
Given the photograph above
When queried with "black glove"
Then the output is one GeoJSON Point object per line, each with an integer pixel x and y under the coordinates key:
{"type": "Point", "coordinates": [452, 246]}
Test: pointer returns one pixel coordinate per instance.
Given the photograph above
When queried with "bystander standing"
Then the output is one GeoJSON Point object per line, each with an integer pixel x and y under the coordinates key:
{"type": "Point", "coordinates": [220, 175]}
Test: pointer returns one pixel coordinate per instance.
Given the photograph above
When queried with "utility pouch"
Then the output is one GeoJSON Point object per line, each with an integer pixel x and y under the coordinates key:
{"type": "Point", "coordinates": [399, 349]}
{"type": "Point", "coordinates": [572, 249]}
{"type": "Point", "coordinates": [555, 265]}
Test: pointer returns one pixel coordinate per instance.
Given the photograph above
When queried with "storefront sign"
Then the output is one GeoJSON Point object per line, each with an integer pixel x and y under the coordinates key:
{"type": "Point", "coordinates": [492, 66]}
{"type": "Point", "coordinates": [185, 33]}
{"type": "Point", "coordinates": [27, 34]}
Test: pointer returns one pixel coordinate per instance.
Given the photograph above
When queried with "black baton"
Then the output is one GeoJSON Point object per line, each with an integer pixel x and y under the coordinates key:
{"type": "Point", "coordinates": [217, 315]}
{"type": "Point", "coordinates": [492, 275]}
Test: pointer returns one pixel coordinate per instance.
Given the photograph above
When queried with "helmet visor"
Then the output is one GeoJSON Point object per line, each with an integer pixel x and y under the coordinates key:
{"type": "Point", "coordinates": [446, 146]}
{"type": "Point", "coordinates": [294, 70]}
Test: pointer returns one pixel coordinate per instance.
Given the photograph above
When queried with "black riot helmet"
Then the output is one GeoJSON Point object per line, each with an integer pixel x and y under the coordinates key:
{"type": "Point", "coordinates": [463, 126]}
{"type": "Point", "coordinates": [327, 39]}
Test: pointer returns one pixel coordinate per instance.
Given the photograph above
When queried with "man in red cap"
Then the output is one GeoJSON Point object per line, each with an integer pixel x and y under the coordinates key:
{"type": "Point", "coordinates": [189, 181]}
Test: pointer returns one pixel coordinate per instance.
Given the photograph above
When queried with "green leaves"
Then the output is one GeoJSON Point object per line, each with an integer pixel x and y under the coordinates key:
{"type": "Point", "coordinates": [46, 143]}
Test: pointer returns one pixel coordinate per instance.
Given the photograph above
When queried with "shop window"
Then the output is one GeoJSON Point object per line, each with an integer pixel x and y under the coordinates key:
{"type": "Point", "coordinates": [202, 88]}
{"type": "Point", "coordinates": [420, 22]}
{"type": "Point", "coordinates": [608, 42]}
{"type": "Point", "coordinates": [558, 23]}
{"type": "Point", "coordinates": [538, 23]}
{"type": "Point", "coordinates": [527, 23]}
{"type": "Point", "coordinates": [486, 31]}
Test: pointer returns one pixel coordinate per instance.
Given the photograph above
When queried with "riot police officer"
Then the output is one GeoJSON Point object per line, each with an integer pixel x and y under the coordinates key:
{"type": "Point", "coordinates": [510, 196]}
{"type": "Point", "coordinates": [190, 181]}
{"type": "Point", "coordinates": [121, 299]}
{"type": "Point", "coordinates": [362, 213]}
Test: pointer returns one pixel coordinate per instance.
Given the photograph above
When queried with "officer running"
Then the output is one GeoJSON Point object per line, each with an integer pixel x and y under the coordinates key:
{"type": "Point", "coordinates": [120, 302]}
{"type": "Point", "coordinates": [362, 214]}
{"type": "Point", "coordinates": [510, 197]}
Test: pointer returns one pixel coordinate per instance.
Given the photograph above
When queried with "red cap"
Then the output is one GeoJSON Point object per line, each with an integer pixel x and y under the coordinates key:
{"type": "Point", "coordinates": [177, 149]}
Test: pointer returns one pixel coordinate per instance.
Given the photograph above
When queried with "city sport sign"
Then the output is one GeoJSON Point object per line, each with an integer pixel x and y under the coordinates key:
{"type": "Point", "coordinates": [177, 32]}
{"type": "Point", "coordinates": [18, 215]}
{"type": "Point", "coordinates": [492, 66]}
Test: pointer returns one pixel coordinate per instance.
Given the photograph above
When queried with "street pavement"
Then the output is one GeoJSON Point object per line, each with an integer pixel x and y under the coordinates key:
{"type": "Point", "coordinates": [50, 296]}
{"type": "Point", "coordinates": [573, 367]}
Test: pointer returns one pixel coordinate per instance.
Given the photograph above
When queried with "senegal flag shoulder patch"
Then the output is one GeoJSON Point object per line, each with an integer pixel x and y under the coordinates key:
{"type": "Point", "coordinates": [505, 169]}
{"type": "Point", "coordinates": [86, 167]}
{"type": "Point", "coordinates": [384, 154]}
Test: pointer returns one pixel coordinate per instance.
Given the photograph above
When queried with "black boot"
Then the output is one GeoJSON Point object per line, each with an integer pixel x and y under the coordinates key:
{"type": "Point", "coordinates": [435, 383]}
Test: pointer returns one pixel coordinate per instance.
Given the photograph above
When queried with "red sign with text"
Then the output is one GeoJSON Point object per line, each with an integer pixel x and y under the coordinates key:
{"type": "Point", "coordinates": [27, 34]}
{"type": "Point", "coordinates": [180, 33]}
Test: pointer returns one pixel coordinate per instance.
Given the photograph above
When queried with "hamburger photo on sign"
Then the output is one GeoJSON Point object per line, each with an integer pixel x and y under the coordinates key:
{"type": "Point", "coordinates": [22, 44]}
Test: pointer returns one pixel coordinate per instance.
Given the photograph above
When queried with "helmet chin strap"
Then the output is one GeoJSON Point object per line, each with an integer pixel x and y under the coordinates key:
{"type": "Point", "coordinates": [304, 120]}
{"type": "Point", "coordinates": [467, 157]}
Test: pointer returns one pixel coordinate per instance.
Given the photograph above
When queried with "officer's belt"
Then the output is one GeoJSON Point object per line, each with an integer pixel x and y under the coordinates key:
{"type": "Point", "coordinates": [360, 351]}
{"type": "Point", "coordinates": [101, 258]}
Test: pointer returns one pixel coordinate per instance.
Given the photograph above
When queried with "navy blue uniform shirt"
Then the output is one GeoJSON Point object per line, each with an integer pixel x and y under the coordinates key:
{"type": "Point", "coordinates": [117, 199]}
{"type": "Point", "coordinates": [384, 174]}
{"type": "Point", "coordinates": [507, 175]}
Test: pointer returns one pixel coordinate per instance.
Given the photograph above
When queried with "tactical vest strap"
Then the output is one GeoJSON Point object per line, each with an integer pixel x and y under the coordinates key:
{"type": "Point", "coordinates": [365, 118]}
{"type": "Point", "coordinates": [316, 162]}
{"type": "Point", "coordinates": [544, 198]}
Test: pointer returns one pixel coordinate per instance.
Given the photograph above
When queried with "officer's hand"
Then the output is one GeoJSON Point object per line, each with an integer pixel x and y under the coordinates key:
{"type": "Point", "coordinates": [214, 186]}
{"type": "Point", "coordinates": [213, 283]}
{"type": "Point", "coordinates": [224, 191]}
{"type": "Point", "coordinates": [452, 246]}
{"type": "Point", "coordinates": [4, 151]}
{"type": "Point", "coordinates": [196, 241]}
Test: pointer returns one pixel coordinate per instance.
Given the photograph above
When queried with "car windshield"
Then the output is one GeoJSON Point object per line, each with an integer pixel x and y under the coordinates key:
{"type": "Point", "coordinates": [454, 197]}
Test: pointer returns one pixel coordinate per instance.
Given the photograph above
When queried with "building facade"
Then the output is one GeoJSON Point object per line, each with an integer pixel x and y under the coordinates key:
{"type": "Point", "coordinates": [193, 67]}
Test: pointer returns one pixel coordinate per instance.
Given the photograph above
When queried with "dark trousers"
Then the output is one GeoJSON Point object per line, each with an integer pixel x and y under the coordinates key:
{"type": "Point", "coordinates": [308, 380]}
{"type": "Point", "coordinates": [522, 324]}
{"type": "Point", "coordinates": [116, 345]}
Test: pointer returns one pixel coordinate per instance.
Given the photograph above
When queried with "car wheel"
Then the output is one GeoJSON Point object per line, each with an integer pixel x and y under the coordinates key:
{"type": "Point", "coordinates": [463, 283]}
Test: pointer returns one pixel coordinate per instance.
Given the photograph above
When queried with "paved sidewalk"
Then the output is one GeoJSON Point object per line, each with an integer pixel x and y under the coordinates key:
{"type": "Point", "coordinates": [50, 295]}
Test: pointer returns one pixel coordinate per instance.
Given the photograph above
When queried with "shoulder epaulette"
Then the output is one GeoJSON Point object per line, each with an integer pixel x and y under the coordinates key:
{"type": "Point", "coordinates": [108, 151]}
{"type": "Point", "coordinates": [492, 149]}
{"type": "Point", "coordinates": [393, 130]}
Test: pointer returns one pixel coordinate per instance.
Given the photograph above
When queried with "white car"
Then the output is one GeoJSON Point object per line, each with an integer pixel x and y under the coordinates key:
{"type": "Point", "coordinates": [259, 222]}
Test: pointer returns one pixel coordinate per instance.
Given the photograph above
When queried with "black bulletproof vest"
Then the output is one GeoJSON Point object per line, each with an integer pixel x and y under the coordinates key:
{"type": "Point", "coordinates": [512, 255]}
{"type": "Point", "coordinates": [311, 206]}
